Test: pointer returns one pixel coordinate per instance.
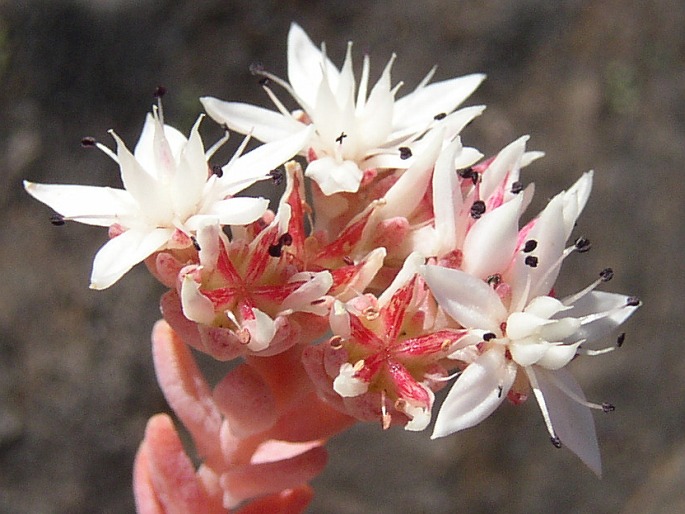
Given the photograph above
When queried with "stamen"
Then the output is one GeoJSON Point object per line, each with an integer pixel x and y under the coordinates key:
{"type": "Point", "coordinates": [494, 280]}
{"type": "Point", "coordinates": [348, 260]}
{"type": "Point", "coordinates": [489, 336]}
{"type": "Point", "coordinates": [216, 170]}
{"type": "Point", "coordinates": [386, 419]}
{"type": "Point", "coordinates": [440, 116]}
{"type": "Point", "coordinates": [620, 339]}
{"type": "Point", "coordinates": [195, 243]}
{"type": "Point", "coordinates": [285, 239]}
{"type": "Point", "coordinates": [210, 153]}
{"type": "Point", "coordinates": [87, 142]}
{"type": "Point", "coordinates": [405, 153]}
{"type": "Point", "coordinates": [272, 96]}
{"type": "Point", "coordinates": [604, 407]}
{"type": "Point", "coordinates": [469, 173]}
{"type": "Point", "coordinates": [336, 342]}
{"type": "Point", "coordinates": [275, 250]}
{"type": "Point", "coordinates": [90, 142]}
{"type": "Point", "coordinates": [543, 405]}
{"type": "Point", "coordinates": [516, 187]}
{"type": "Point", "coordinates": [531, 261]}
{"type": "Point", "coordinates": [633, 301]}
{"type": "Point", "coordinates": [160, 91]}
{"type": "Point", "coordinates": [340, 138]}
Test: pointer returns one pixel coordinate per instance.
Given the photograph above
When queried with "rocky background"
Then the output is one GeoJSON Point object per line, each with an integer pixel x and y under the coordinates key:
{"type": "Point", "coordinates": [598, 85]}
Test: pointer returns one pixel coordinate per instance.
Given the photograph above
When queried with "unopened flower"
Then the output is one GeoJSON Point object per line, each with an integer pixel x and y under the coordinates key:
{"type": "Point", "coordinates": [353, 134]}
{"type": "Point", "coordinates": [169, 192]}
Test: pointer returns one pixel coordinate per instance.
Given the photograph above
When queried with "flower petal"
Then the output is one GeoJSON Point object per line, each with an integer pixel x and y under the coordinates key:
{"type": "Point", "coordinates": [101, 206]}
{"type": "Point", "coordinates": [333, 177]}
{"type": "Point", "coordinates": [123, 252]}
{"type": "Point", "coordinates": [467, 299]}
{"type": "Point", "coordinates": [572, 421]}
{"type": "Point", "coordinates": [479, 390]}
{"type": "Point", "coordinates": [231, 211]}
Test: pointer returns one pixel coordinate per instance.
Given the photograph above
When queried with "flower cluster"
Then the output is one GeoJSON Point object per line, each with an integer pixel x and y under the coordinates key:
{"type": "Point", "coordinates": [407, 269]}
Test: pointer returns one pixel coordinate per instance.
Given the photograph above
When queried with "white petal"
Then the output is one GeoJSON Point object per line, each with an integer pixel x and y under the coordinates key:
{"type": "Point", "coordinates": [196, 306]}
{"type": "Point", "coordinates": [419, 416]}
{"type": "Point", "coordinates": [190, 176]}
{"type": "Point", "coordinates": [572, 421]}
{"type": "Point", "coordinates": [420, 106]}
{"type": "Point", "coordinates": [479, 390]}
{"type": "Point", "coordinates": [144, 151]}
{"type": "Point", "coordinates": [411, 266]}
{"type": "Point", "coordinates": [346, 385]}
{"type": "Point", "coordinates": [263, 124]}
{"type": "Point", "coordinates": [262, 330]}
{"type": "Point", "coordinates": [507, 160]}
{"type": "Point", "coordinates": [596, 302]}
{"type": "Point", "coordinates": [333, 177]}
{"type": "Point", "coordinates": [558, 356]}
{"type": "Point", "coordinates": [490, 243]}
{"type": "Point", "coordinates": [339, 320]}
{"type": "Point", "coordinates": [209, 238]}
{"type": "Point", "coordinates": [447, 200]}
{"type": "Point", "coordinates": [524, 324]}
{"type": "Point", "coordinates": [575, 199]}
{"type": "Point", "coordinates": [527, 353]}
{"type": "Point", "coordinates": [305, 63]}
{"type": "Point", "coordinates": [232, 211]}
{"type": "Point", "coordinates": [101, 206]}
{"type": "Point", "coordinates": [469, 300]}
{"type": "Point", "coordinates": [302, 298]}
{"type": "Point", "coordinates": [545, 306]}
{"type": "Point", "coordinates": [255, 165]}
{"type": "Point", "coordinates": [123, 252]}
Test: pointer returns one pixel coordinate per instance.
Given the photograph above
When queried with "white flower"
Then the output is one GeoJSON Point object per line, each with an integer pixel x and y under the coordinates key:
{"type": "Point", "coordinates": [352, 134]}
{"type": "Point", "coordinates": [518, 328]}
{"type": "Point", "coordinates": [169, 191]}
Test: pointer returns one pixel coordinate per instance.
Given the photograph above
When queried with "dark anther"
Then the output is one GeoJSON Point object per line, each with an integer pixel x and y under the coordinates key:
{"type": "Point", "coordinates": [87, 142]}
{"type": "Point", "coordinates": [216, 170]}
{"type": "Point", "coordinates": [340, 138]}
{"type": "Point", "coordinates": [440, 116]}
{"type": "Point", "coordinates": [620, 339]}
{"type": "Point", "coordinates": [530, 245]}
{"type": "Point", "coordinates": [607, 407]}
{"type": "Point", "coordinates": [477, 209]}
{"type": "Point", "coordinates": [500, 390]}
{"type": "Point", "coordinates": [583, 244]}
{"type": "Point", "coordinates": [556, 441]}
{"type": "Point", "coordinates": [160, 91]}
{"type": "Point", "coordinates": [347, 260]}
{"type": "Point", "coordinates": [285, 240]}
{"type": "Point", "coordinates": [405, 152]}
{"type": "Point", "coordinates": [633, 301]}
{"type": "Point", "coordinates": [275, 250]}
{"type": "Point", "coordinates": [277, 176]}
{"type": "Point", "coordinates": [256, 68]}
{"type": "Point", "coordinates": [494, 280]}
{"type": "Point", "coordinates": [489, 336]}
{"type": "Point", "coordinates": [468, 173]}
{"type": "Point", "coordinates": [195, 243]}
{"type": "Point", "coordinates": [264, 81]}
{"type": "Point", "coordinates": [57, 220]}
{"type": "Point", "coordinates": [606, 274]}
{"type": "Point", "coordinates": [516, 187]}
{"type": "Point", "coordinates": [531, 261]}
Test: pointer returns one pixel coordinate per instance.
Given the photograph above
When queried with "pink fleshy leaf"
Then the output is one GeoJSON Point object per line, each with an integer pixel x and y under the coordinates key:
{"type": "Point", "coordinates": [289, 501]}
{"type": "Point", "coordinates": [186, 391]}
{"type": "Point", "coordinates": [165, 479]}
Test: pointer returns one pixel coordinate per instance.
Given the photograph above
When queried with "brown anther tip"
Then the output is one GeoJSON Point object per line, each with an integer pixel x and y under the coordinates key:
{"type": "Point", "coordinates": [620, 339]}
{"type": "Point", "coordinates": [440, 116]}
{"type": "Point", "coordinates": [477, 209]}
{"type": "Point", "coordinates": [244, 336]}
{"type": "Point", "coordinates": [275, 250]}
{"type": "Point", "coordinates": [195, 243]}
{"type": "Point", "coordinates": [57, 220]}
{"type": "Point", "coordinates": [286, 239]}
{"type": "Point", "coordinates": [348, 261]}
{"type": "Point", "coordinates": [489, 336]}
{"type": "Point", "coordinates": [583, 244]}
{"type": "Point", "coordinates": [277, 176]}
{"type": "Point", "coordinates": [606, 274]}
{"type": "Point", "coordinates": [632, 301]}
{"type": "Point", "coordinates": [336, 342]}
{"type": "Point", "coordinates": [405, 152]}
{"type": "Point", "coordinates": [217, 170]}
{"type": "Point", "coordinates": [608, 407]}
{"type": "Point", "coordinates": [531, 261]}
{"type": "Point", "coordinates": [530, 245]}
{"type": "Point", "coordinates": [555, 441]}
{"type": "Point", "coordinates": [516, 187]}
{"type": "Point", "coordinates": [88, 142]}
{"type": "Point", "coordinates": [160, 91]}
{"type": "Point", "coordinates": [256, 68]}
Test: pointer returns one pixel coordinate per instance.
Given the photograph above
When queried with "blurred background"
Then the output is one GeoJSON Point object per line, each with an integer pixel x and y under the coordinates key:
{"type": "Point", "coordinates": [598, 85]}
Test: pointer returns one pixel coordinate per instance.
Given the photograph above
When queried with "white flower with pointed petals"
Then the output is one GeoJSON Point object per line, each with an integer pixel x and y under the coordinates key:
{"type": "Point", "coordinates": [519, 329]}
{"type": "Point", "coordinates": [352, 134]}
{"type": "Point", "coordinates": [169, 190]}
